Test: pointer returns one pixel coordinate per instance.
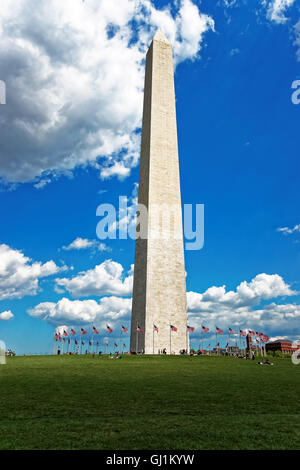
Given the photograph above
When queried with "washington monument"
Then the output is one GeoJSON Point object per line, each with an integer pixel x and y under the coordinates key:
{"type": "Point", "coordinates": [159, 287]}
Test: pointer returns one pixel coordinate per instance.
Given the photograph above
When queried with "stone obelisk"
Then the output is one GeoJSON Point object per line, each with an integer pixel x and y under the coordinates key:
{"type": "Point", "coordinates": [159, 288]}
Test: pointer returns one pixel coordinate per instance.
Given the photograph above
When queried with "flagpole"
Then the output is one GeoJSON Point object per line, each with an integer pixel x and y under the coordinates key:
{"type": "Point", "coordinates": [92, 341]}
{"type": "Point", "coordinates": [257, 343]}
{"type": "Point", "coordinates": [216, 341]}
{"type": "Point", "coordinates": [136, 340]}
{"type": "Point", "coordinates": [153, 339]}
{"type": "Point", "coordinates": [170, 341]}
{"type": "Point", "coordinates": [53, 354]}
{"type": "Point", "coordinates": [261, 347]}
{"type": "Point", "coordinates": [186, 340]}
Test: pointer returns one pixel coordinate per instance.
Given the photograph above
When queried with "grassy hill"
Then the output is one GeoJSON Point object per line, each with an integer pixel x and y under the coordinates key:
{"type": "Point", "coordinates": [81, 402]}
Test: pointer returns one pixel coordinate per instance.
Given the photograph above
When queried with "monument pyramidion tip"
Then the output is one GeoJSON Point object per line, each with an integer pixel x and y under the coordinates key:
{"type": "Point", "coordinates": [159, 36]}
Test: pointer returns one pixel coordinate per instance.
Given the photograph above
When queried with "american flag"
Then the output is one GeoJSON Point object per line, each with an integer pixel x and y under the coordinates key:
{"type": "Point", "coordinates": [83, 332]}
{"type": "Point", "coordinates": [56, 337]}
{"type": "Point", "coordinates": [95, 330]}
{"type": "Point", "coordinates": [251, 333]}
{"type": "Point", "coordinates": [173, 328]}
{"type": "Point", "coordinates": [208, 346]}
{"type": "Point", "coordinates": [155, 328]}
{"type": "Point", "coordinates": [116, 345]}
{"type": "Point", "coordinates": [243, 333]}
{"type": "Point", "coordinates": [76, 341]}
{"type": "Point", "coordinates": [226, 346]}
{"type": "Point", "coordinates": [73, 332]}
{"type": "Point", "coordinates": [124, 346]}
{"type": "Point", "coordinates": [190, 328]}
{"type": "Point", "coordinates": [65, 333]}
{"type": "Point", "coordinates": [124, 329]}
{"type": "Point", "coordinates": [217, 345]}
{"type": "Point", "coordinates": [219, 330]}
{"type": "Point", "coordinates": [231, 331]}
{"type": "Point", "coordinates": [109, 329]}
{"type": "Point", "coordinates": [204, 329]}
{"type": "Point", "coordinates": [138, 328]}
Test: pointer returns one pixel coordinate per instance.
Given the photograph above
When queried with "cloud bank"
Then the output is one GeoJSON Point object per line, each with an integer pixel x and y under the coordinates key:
{"type": "Point", "coordinates": [74, 73]}
{"type": "Point", "coordinates": [244, 307]}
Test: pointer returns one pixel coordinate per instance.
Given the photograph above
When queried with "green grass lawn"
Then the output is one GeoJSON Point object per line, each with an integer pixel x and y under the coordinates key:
{"type": "Point", "coordinates": [80, 402]}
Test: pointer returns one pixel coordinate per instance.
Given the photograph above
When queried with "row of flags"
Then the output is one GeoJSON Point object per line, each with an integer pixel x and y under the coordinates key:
{"type": "Point", "coordinates": [77, 342]}
{"type": "Point", "coordinates": [66, 337]}
{"type": "Point", "coordinates": [172, 328]}
{"type": "Point", "coordinates": [84, 332]}
{"type": "Point", "coordinates": [259, 336]}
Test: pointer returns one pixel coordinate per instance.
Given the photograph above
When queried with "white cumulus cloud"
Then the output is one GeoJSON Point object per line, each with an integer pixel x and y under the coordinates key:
{"type": "Point", "coordinates": [83, 312]}
{"type": "Point", "coordinates": [106, 278]}
{"type": "Point", "coordinates": [7, 315]}
{"type": "Point", "coordinates": [19, 275]}
{"type": "Point", "coordinates": [84, 244]}
{"type": "Point", "coordinates": [74, 72]}
{"type": "Point", "coordinates": [80, 244]}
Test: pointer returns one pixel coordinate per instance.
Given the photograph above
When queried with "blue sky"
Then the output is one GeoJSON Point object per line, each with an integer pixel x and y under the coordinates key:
{"type": "Point", "coordinates": [70, 138]}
